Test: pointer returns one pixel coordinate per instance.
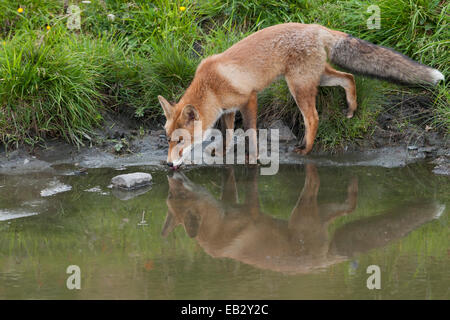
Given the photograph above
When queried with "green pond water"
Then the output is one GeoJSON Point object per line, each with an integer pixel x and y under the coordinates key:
{"type": "Point", "coordinates": [308, 232]}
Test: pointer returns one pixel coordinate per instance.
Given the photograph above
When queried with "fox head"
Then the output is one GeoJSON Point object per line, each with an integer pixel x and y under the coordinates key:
{"type": "Point", "coordinates": [181, 120]}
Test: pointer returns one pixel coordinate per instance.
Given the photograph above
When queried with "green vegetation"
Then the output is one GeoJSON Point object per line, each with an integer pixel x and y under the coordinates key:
{"type": "Point", "coordinates": [56, 82]}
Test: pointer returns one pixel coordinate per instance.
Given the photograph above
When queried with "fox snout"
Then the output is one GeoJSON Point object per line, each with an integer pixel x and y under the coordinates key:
{"type": "Point", "coordinates": [175, 156]}
{"type": "Point", "coordinates": [172, 166]}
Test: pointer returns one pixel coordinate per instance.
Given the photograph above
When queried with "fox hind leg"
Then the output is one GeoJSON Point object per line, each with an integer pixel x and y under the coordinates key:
{"type": "Point", "coordinates": [331, 77]}
{"type": "Point", "coordinates": [305, 97]}
{"type": "Point", "coordinates": [331, 211]}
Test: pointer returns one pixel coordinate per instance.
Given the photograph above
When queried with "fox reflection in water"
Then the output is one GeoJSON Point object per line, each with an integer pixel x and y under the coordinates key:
{"type": "Point", "coordinates": [227, 229]}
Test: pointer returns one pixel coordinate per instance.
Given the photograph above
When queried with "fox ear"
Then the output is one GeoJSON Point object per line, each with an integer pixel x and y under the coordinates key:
{"type": "Point", "coordinates": [167, 107]}
{"type": "Point", "coordinates": [174, 183]}
{"type": "Point", "coordinates": [191, 224]}
{"type": "Point", "coordinates": [190, 113]}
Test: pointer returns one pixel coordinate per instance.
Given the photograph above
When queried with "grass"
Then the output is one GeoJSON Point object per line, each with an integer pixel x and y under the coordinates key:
{"type": "Point", "coordinates": [58, 82]}
{"type": "Point", "coordinates": [47, 89]}
{"type": "Point", "coordinates": [53, 84]}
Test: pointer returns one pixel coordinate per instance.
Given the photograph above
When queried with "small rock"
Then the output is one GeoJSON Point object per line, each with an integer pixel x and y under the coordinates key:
{"type": "Point", "coordinates": [285, 134]}
{"type": "Point", "coordinates": [412, 147]}
{"type": "Point", "coordinates": [131, 180]}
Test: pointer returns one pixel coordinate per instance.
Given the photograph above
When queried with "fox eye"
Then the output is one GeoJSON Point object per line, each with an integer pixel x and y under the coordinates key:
{"type": "Point", "coordinates": [180, 140]}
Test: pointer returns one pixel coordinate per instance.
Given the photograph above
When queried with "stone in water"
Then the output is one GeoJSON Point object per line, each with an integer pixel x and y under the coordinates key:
{"type": "Point", "coordinates": [131, 180]}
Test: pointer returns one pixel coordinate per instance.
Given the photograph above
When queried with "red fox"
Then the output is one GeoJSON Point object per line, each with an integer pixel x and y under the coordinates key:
{"type": "Point", "coordinates": [230, 81]}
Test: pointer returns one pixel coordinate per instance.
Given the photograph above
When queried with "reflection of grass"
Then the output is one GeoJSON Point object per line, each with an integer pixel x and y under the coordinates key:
{"type": "Point", "coordinates": [56, 81]}
{"type": "Point", "coordinates": [118, 258]}
{"type": "Point", "coordinates": [419, 258]}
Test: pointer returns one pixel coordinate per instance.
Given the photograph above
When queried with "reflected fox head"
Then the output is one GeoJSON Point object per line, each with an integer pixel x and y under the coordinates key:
{"type": "Point", "coordinates": [181, 120]}
{"type": "Point", "coordinates": [185, 203]}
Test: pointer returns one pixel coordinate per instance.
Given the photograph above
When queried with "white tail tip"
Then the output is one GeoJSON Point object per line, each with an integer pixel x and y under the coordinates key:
{"type": "Point", "coordinates": [437, 76]}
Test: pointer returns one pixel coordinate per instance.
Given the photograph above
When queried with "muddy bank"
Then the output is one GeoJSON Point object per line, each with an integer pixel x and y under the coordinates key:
{"type": "Point", "coordinates": [151, 150]}
{"type": "Point", "coordinates": [124, 142]}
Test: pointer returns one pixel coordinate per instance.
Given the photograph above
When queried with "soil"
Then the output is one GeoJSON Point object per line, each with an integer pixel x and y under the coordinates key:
{"type": "Point", "coordinates": [124, 141]}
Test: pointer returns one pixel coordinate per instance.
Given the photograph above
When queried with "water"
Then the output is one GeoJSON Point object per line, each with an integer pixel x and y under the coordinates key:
{"type": "Point", "coordinates": [227, 233]}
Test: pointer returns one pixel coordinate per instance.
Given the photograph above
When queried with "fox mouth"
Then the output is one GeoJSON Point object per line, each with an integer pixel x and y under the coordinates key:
{"type": "Point", "coordinates": [177, 163]}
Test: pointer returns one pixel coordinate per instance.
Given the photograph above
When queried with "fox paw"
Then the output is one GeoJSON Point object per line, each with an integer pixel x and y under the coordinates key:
{"type": "Point", "coordinates": [251, 159]}
{"type": "Point", "coordinates": [349, 113]}
{"type": "Point", "coordinates": [301, 150]}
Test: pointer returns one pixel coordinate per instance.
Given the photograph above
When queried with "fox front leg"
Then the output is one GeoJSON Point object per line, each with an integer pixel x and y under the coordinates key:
{"type": "Point", "coordinates": [227, 126]}
{"type": "Point", "coordinates": [249, 114]}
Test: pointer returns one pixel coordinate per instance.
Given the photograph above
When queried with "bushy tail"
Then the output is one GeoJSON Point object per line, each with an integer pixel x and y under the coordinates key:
{"type": "Point", "coordinates": [365, 58]}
